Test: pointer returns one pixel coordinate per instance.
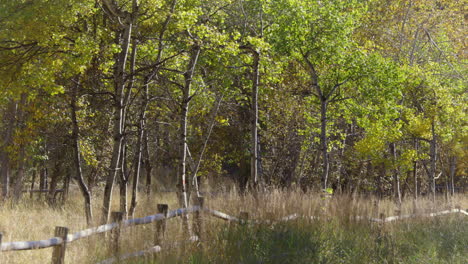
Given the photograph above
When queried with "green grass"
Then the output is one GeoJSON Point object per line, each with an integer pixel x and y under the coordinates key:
{"type": "Point", "coordinates": [437, 240]}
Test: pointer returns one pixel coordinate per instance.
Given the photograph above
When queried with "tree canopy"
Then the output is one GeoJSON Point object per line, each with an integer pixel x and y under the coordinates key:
{"type": "Point", "coordinates": [365, 96]}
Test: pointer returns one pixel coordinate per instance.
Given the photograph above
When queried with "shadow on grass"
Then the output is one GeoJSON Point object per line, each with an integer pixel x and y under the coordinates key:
{"type": "Point", "coordinates": [441, 240]}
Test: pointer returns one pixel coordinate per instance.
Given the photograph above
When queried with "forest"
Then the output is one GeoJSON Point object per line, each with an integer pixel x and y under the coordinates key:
{"type": "Point", "coordinates": [121, 99]}
{"type": "Point", "coordinates": [112, 105]}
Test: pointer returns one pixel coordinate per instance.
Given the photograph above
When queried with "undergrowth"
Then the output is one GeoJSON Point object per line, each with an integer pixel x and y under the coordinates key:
{"type": "Point", "coordinates": [336, 238]}
{"type": "Point", "coordinates": [440, 240]}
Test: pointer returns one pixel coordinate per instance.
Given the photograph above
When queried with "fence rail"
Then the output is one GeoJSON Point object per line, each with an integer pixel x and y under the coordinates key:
{"type": "Point", "coordinates": [51, 242]}
{"type": "Point", "coordinates": [62, 238]}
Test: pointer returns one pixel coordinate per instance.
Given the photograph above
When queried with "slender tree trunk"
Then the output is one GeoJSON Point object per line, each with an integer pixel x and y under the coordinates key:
{"type": "Point", "coordinates": [324, 101]}
{"type": "Point", "coordinates": [148, 167]}
{"type": "Point", "coordinates": [453, 167]}
{"type": "Point", "coordinates": [119, 85]}
{"type": "Point", "coordinates": [324, 142]}
{"type": "Point", "coordinates": [123, 186]}
{"type": "Point", "coordinates": [433, 159]}
{"type": "Point", "coordinates": [77, 160]}
{"type": "Point", "coordinates": [18, 190]}
{"type": "Point", "coordinates": [43, 175]}
{"type": "Point", "coordinates": [415, 178]}
{"type": "Point", "coordinates": [447, 187]}
{"type": "Point", "coordinates": [66, 185]}
{"type": "Point", "coordinates": [33, 181]}
{"type": "Point", "coordinates": [254, 129]}
{"type": "Point", "coordinates": [396, 178]}
{"type": "Point", "coordinates": [125, 174]}
{"type": "Point", "coordinates": [115, 160]}
{"type": "Point", "coordinates": [137, 164]}
{"type": "Point", "coordinates": [182, 185]}
{"type": "Point", "coordinates": [4, 157]}
{"type": "Point", "coordinates": [205, 144]}
{"type": "Point", "coordinates": [260, 170]}
{"type": "Point", "coordinates": [53, 183]}
{"type": "Point", "coordinates": [183, 124]}
{"type": "Point", "coordinates": [5, 174]}
{"type": "Point", "coordinates": [123, 180]}
{"type": "Point", "coordinates": [146, 153]}
{"type": "Point", "coordinates": [415, 172]}
{"type": "Point", "coordinates": [139, 150]}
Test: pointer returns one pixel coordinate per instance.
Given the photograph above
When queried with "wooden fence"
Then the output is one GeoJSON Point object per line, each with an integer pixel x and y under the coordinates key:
{"type": "Point", "coordinates": [62, 237]}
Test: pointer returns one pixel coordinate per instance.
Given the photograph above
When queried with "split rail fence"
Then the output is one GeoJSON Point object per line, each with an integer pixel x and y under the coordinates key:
{"type": "Point", "coordinates": [62, 237]}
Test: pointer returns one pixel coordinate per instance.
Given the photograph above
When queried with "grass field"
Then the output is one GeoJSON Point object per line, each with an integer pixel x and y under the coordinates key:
{"type": "Point", "coordinates": [334, 238]}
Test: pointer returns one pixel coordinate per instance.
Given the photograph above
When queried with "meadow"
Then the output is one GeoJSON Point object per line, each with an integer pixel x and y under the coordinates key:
{"type": "Point", "coordinates": [334, 235]}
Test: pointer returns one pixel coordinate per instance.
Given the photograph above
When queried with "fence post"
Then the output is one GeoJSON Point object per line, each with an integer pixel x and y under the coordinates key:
{"type": "Point", "coordinates": [116, 217]}
{"type": "Point", "coordinates": [244, 217]}
{"type": "Point", "coordinates": [58, 253]}
{"type": "Point", "coordinates": [198, 219]}
{"type": "Point", "coordinates": [161, 225]}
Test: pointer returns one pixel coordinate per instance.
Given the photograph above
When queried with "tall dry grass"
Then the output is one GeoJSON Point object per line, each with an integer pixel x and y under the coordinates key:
{"type": "Point", "coordinates": [35, 220]}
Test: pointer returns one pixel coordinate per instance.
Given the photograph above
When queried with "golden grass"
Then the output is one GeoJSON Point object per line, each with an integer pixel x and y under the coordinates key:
{"type": "Point", "coordinates": [35, 220]}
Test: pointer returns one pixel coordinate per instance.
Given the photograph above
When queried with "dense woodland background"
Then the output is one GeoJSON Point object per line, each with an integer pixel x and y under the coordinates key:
{"type": "Point", "coordinates": [353, 96]}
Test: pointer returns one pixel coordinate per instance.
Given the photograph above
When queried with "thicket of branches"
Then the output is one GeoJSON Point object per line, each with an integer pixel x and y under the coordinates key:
{"type": "Point", "coordinates": [349, 95]}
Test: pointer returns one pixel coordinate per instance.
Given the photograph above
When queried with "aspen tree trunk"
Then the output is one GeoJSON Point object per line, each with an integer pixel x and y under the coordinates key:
{"type": "Point", "coordinates": [139, 151]}
{"type": "Point", "coordinates": [324, 142]}
{"type": "Point", "coordinates": [188, 75]}
{"type": "Point", "coordinates": [124, 173]}
{"type": "Point", "coordinates": [123, 38]}
{"type": "Point", "coordinates": [254, 143]}
{"type": "Point", "coordinates": [144, 152]}
{"type": "Point", "coordinates": [145, 142]}
{"type": "Point", "coordinates": [253, 179]}
{"type": "Point", "coordinates": [324, 101]}
{"type": "Point", "coordinates": [77, 160]}
{"type": "Point", "coordinates": [205, 144]}
{"type": "Point", "coordinates": [117, 145]}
